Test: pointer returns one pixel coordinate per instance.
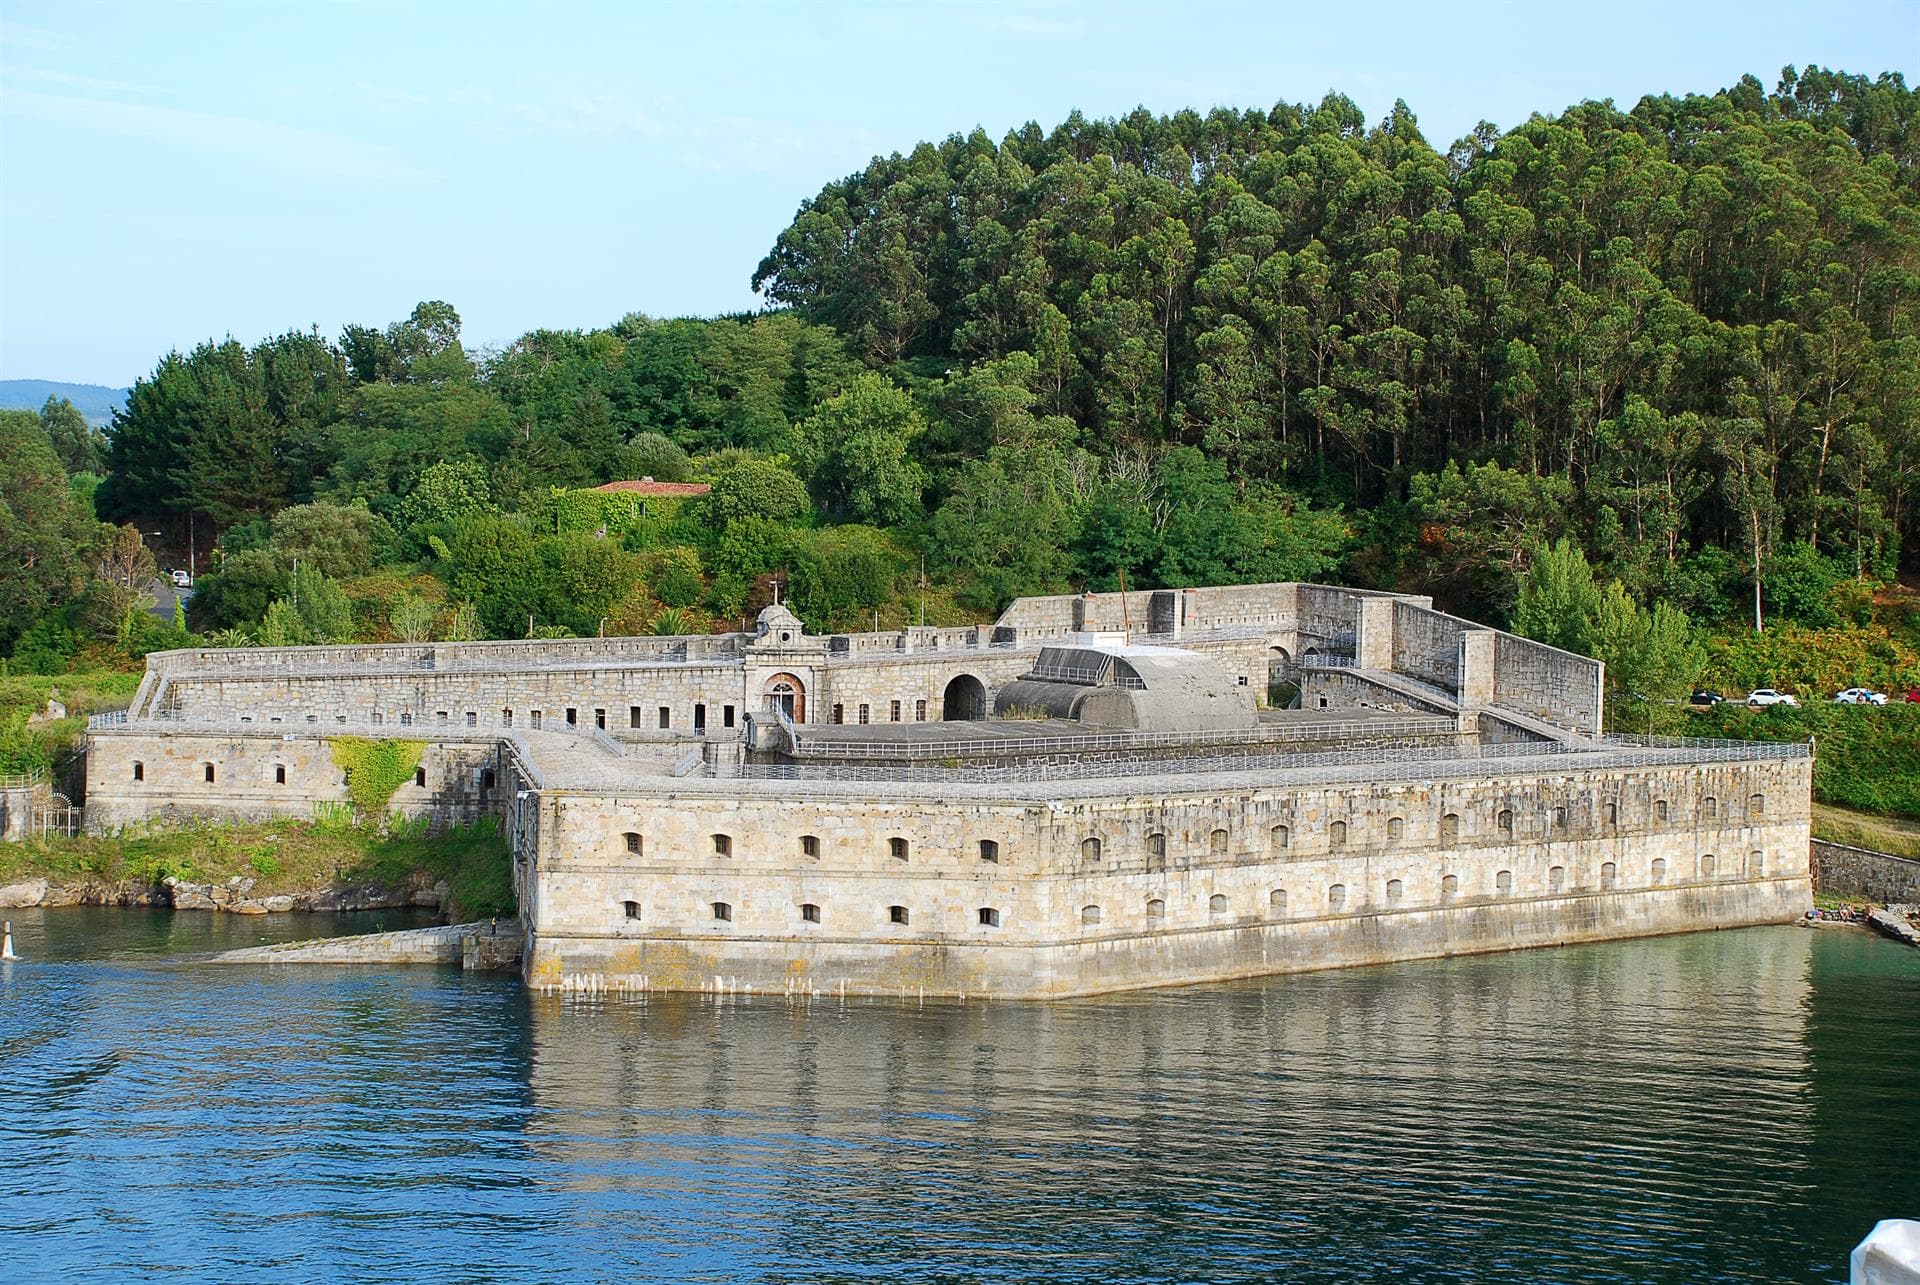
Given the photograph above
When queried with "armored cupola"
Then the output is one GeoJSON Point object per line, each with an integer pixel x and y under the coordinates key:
{"type": "Point", "coordinates": [778, 625]}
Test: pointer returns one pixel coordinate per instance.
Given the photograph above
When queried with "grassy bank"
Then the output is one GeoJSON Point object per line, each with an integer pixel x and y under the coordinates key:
{"type": "Point", "coordinates": [281, 857]}
{"type": "Point", "coordinates": [1896, 835]}
{"type": "Point", "coordinates": [36, 748]}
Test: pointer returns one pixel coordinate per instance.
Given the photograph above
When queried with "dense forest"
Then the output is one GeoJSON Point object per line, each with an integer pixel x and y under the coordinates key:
{"type": "Point", "coordinates": [1674, 349]}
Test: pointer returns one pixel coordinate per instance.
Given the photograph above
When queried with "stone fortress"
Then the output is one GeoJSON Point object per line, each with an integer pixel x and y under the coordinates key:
{"type": "Point", "coordinates": [1088, 795]}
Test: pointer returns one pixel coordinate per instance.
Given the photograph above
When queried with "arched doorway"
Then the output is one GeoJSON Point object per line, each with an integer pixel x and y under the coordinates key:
{"type": "Point", "coordinates": [965, 700]}
{"type": "Point", "coordinates": [789, 694]}
{"type": "Point", "coordinates": [1283, 683]}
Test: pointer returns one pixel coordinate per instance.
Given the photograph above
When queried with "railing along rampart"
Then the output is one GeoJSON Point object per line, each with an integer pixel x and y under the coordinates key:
{"type": "Point", "coordinates": [1096, 742]}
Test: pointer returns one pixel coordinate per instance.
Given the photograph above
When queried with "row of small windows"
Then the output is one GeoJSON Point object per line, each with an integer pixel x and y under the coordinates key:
{"type": "Point", "coordinates": [637, 717]}
{"type": "Point", "coordinates": [1091, 847]}
{"type": "Point", "coordinates": [898, 848]}
{"type": "Point", "coordinates": [209, 773]}
{"type": "Point", "coordinates": [1220, 904]}
{"type": "Point", "coordinates": [896, 712]}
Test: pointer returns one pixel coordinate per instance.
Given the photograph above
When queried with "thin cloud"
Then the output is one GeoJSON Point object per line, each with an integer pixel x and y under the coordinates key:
{"type": "Point", "coordinates": [290, 148]}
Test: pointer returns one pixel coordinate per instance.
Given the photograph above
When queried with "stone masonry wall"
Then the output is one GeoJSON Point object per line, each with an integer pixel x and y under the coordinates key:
{"type": "Point", "coordinates": [1142, 889]}
{"type": "Point", "coordinates": [1846, 871]}
{"type": "Point", "coordinates": [136, 775]}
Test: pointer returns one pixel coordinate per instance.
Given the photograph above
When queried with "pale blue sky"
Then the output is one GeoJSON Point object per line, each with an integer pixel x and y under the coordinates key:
{"type": "Point", "coordinates": [173, 172]}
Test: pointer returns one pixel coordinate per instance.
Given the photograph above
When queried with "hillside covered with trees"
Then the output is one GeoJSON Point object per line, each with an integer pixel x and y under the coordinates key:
{"type": "Point", "coordinates": [1676, 344]}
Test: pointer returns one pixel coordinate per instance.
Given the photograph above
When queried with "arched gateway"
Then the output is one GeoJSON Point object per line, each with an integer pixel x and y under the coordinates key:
{"type": "Point", "coordinates": [789, 694]}
{"type": "Point", "coordinates": [965, 700]}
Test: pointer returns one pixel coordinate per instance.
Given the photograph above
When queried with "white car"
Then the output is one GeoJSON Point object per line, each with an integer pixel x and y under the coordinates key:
{"type": "Point", "coordinates": [1860, 696]}
{"type": "Point", "coordinates": [183, 579]}
{"type": "Point", "coordinates": [1761, 697]}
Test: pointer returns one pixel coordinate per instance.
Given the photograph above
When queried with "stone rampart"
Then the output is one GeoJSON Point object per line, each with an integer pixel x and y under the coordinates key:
{"type": "Point", "coordinates": [1153, 883]}
{"type": "Point", "coordinates": [1846, 871]}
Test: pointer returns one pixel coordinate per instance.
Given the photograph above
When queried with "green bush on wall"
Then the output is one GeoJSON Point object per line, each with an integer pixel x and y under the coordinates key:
{"type": "Point", "coordinates": [375, 769]}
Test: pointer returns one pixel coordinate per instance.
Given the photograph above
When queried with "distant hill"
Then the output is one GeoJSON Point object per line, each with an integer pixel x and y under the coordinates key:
{"type": "Point", "coordinates": [96, 401]}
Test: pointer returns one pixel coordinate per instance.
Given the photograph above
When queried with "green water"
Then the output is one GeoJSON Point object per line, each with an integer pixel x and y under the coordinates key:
{"type": "Point", "coordinates": [1723, 1106]}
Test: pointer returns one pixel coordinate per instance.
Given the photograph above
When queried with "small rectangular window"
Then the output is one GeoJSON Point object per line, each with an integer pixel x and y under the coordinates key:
{"type": "Point", "coordinates": [722, 845]}
{"type": "Point", "coordinates": [139, 771]}
{"type": "Point", "coordinates": [633, 716]}
{"type": "Point", "coordinates": [699, 718]}
{"type": "Point", "coordinates": [279, 775]}
{"type": "Point", "coordinates": [989, 850]}
{"type": "Point", "coordinates": [406, 720]}
{"type": "Point", "coordinates": [919, 711]}
{"type": "Point", "coordinates": [420, 776]}
{"type": "Point", "coordinates": [600, 719]}
{"type": "Point", "coordinates": [473, 718]}
{"type": "Point", "coordinates": [897, 849]}
{"type": "Point", "coordinates": [440, 717]}
{"type": "Point", "coordinates": [632, 908]}
{"type": "Point", "coordinates": [536, 720]}
{"type": "Point", "coordinates": [989, 917]}
{"type": "Point", "coordinates": [810, 846]}
{"type": "Point", "coordinates": [894, 712]}
{"type": "Point", "coordinates": [809, 913]}
{"type": "Point", "coordinates": [863, 715]}
{"type": "Point", "coordinates": [726, 716]}
{"type": "Point", "coordinates": [634, 842]}
{"type": "Point", "coordinates": [506, 718]}
{"type": "Point", "coordinates": [666, 716]}
{"type": "Point", "coordinates": [378, 718]}
{"type": "Point", "coordinates": [897, 914]}
{"type": "Point", "coordinates": [208, 773]}
{"type": "Point", "coordinates": [573, 716]}
{"type": "Point", "coordinates": [839, 714]}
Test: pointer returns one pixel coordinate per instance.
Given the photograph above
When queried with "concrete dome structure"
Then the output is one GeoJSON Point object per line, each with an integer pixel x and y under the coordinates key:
{"type": "Point", "coordinates": [1136, 689]}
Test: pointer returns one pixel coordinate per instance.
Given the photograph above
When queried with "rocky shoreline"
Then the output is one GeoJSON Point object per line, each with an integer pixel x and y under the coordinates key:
{"type": "Point", "coordinates": [235, 896]}
{"type": "Point", "coordinates": [1902, 923]}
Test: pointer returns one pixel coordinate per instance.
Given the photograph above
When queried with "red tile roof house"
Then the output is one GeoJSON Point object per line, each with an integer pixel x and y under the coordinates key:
{"type": "Point", "coordinates": [647, 486]}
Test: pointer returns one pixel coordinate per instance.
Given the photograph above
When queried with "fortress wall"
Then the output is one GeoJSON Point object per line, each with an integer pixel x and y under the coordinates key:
{"type": "Point", "coordinates": [469, 700]}
{"type": "Point", "coordinates": [1334, 688]}
{"type": "Point", "coordinates": [173, 780]}
{"type": "Point", "coordinates": [912, 676]}
{"type": "Point", "coordinates": [1426, 645]}
{"type": "Point", "coordinates": [1548, 683]}
{"type": "Point", "coordinates": [587, 652]}
{"type": "Point", "coordinates": [1527, 856]}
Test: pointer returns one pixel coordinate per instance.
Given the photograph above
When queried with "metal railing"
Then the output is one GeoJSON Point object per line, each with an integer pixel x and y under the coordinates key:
{"type": "Point", "coordinates": [1321, 660]}
{"type": "Point", "coordinates": [23, 780]}
{"type": "Point", "coordinates": [1097, 742]}
{"type": "Point", "coordinates": [605, 741]}
{"type": "Point", "coordinates": [111, 718]}
{"type": "Point", "coordinates": [1432, 763]}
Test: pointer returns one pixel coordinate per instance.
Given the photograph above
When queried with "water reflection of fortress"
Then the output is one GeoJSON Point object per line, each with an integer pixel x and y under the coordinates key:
{"type": "Point", "coordinates": [1089, 795]}
{"type": "Point", "coordinates": [1652, 1091]}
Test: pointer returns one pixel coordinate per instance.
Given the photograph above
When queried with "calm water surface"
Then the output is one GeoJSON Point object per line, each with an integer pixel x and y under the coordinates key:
{"type": "Point", "coordinates": [1727, 1106]}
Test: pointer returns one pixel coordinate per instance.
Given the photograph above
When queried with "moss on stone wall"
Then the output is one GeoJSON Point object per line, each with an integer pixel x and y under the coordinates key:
{"type": "Point", "coordinates": [375, 769]}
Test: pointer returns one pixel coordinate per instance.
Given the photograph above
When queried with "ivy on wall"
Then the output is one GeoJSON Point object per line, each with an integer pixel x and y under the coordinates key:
{"type": "Point", "coordinates": [375, 769]}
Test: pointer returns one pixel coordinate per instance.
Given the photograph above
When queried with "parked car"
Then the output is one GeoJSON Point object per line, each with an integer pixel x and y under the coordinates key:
{"type": "Point", "coordinates": [1704, 698]}
{"type": "Point", "coordinates": [1761, 697]}
{"type": "Point", "coordinates": [1860, 696]}
{"type": "Point", "coordinates": [182, 579]}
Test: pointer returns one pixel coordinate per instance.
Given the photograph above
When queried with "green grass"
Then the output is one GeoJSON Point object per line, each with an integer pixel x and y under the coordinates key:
{"type": "Point", "coordinates": [282, 857]}
{"type": "Point", "coordinates": [35, 749]}
{"type": "Point", "coordinates": [1867, 757]}
{"type": "Point", "coordinates": [1861, 830]}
